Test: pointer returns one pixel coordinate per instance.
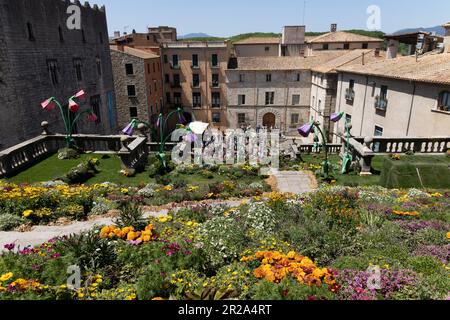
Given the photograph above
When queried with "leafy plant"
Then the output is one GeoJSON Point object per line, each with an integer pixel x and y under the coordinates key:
{"type": "Point", "coordinates": [131, 216]}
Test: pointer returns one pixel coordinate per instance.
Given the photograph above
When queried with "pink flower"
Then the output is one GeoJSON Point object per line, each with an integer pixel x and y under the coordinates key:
{"type": "Point", "coordinates": [80, 95]}
{"type": "Point", "coordinates": [48, 105]}
{"type": "Point", "coordinates": [73, 106]}
{"type": "Point", "coordinates": [92, 117]}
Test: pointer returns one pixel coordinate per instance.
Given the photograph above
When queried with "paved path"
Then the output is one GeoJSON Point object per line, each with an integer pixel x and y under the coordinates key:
{"type": "Point", "coordinates": [295, 182]}
{"type": "Point", "coordinates": [41, 234]}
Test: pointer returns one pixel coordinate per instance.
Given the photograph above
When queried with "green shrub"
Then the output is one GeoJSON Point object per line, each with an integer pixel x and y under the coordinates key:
{"type": "Point", "coordinates": [288, 289]}
{"type": "Point", "coordinates": [131, 216]}
{"type": "Point", "coordinates": [425, 265]}
{"type": "Point", "coordinates": [9, 221]}
{"type": "Point", "coordinates": [83, 172]}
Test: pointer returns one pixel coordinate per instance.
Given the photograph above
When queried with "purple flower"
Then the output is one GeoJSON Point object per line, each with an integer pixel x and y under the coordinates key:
{"type": "Point", "coordinates": [134, 242]}
{"type": "Point", "coordinates": [9, 246]}
{"type": "Point", "coordinates": [335, 117]}
{"type": "Point", "coordinates": [442, 253]}
{"type": "Point", "coordinates": [182, 118]}
{"type": "Point", "coordinates": [129, 129]}
{"type": "Point", "coordinates": [305, 130]}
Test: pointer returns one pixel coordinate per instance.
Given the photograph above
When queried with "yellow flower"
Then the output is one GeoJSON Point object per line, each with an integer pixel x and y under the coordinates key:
{"type": "Point", "coordinates": [124, 190]}
{"type": "Point", "coordinates": [448, 235]}
{"type": "Point", "coordinates": [6, 276]}
{"type": "Point", "coordinates": [157, 299]}
{"type": "Point", "coordinates": [168, 188]}
{"type": "Point", "coordinates": [27, 213]}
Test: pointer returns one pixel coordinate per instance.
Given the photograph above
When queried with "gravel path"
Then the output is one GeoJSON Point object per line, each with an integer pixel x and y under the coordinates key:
{"type": "Point", "coordinates": [295, 182]}
{"type": "Point", "coordinates": [41, 234]}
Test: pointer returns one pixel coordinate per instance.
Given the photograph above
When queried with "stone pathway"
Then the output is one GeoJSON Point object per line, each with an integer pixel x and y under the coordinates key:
{"type": "Point", "coordinates": [295, 182]}
{"type": "Point", "coordinates": [41, 234]}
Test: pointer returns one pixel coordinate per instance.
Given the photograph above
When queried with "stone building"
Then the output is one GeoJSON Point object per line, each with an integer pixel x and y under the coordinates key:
{"type": "Point", "coordinates": [138, 84]}
{"type": "Point", "coordinates": [194, 79]}
{"type": "Point", "coordinates": [400, 97]}
{"type": "Point", "coordinates": [272, 92]}
{"type": "Point", "coordinates": [294, 42]}
{"type": "Point", "coordinates": [324, 83]}
{"type": "Point", "coordinates": [41, 57]}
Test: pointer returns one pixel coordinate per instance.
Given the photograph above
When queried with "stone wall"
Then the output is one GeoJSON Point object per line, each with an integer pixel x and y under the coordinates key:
{"type": "Point", "coordinates": [25, 63]}
{"type": "Point", "coordinates": [122, 80]}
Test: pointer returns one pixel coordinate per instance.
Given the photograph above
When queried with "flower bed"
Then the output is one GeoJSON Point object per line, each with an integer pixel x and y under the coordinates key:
{"type": "Point", "coordinates": [324, 245]}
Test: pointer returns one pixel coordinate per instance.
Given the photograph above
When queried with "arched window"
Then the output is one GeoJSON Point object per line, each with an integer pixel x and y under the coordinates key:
{"type": "Point", "coordinates": [444, 101]}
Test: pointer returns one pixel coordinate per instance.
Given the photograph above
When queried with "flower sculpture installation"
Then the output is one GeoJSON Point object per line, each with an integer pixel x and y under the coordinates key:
{"type": "Point", "coordinates": [70, 113]}
{"type": "Point", "coordinates": [161, 124]}
{"type": "Point", "coordinates": [308, 128]}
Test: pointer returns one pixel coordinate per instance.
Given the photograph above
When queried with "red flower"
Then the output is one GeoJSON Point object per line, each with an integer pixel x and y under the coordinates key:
{"type": "Point", "coordinates": [48, 105]}
{"type": "Point", "coordinates": [73, 106]}
{"type": "Point", "coordinates": [92, 117]}
{"type": "Point", "coordinates": [80, 95]}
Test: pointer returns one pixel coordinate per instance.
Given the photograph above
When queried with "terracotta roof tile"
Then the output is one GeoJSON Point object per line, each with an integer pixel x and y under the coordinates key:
{"type": "Point", "coordinates": [259, 40]}
{"type": "Point", "coordinates": [287, 63]}
{"type": "Point", "coordinates": [342, 36]}
{"type": "Point", "coordinates": [354, 57]}
{"type": "Point", "coordinates": [431, 68]}
{"type": "Point", "coordinates": [135, 52]}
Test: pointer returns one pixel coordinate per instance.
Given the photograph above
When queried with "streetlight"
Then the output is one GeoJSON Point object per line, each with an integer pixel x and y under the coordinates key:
{"type": "Point", "coordinates": [306, 130]}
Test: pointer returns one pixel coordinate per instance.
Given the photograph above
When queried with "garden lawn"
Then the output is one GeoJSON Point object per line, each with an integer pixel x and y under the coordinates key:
{"type": "Point", "coordinates": [351, 179]}
{"type": "Point", "coordinates": [109, 167]}
{"type": "Point", "coordinates": [52, 168]}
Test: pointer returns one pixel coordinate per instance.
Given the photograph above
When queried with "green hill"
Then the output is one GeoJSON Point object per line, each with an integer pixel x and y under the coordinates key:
{"type": "Point", "coordinates": [240, 37]}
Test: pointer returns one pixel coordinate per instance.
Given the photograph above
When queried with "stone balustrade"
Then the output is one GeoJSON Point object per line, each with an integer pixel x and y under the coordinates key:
{"type": "Point", "coordinates": [24, 155]}
{"type": "Point", "coordinates": [364, 149]}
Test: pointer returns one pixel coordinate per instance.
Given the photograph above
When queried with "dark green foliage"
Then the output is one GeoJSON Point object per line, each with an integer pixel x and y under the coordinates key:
{"type": "Point", "coordinates": [416, 171]}
{"type": "Point", "coordinates": [131, 216]}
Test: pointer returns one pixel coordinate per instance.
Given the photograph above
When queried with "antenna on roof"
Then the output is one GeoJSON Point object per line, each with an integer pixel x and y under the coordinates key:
{"type": "Point", "coordinates": [304, 10]}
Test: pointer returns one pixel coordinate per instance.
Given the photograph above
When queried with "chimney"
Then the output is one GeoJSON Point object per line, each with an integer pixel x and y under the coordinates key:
{"type": "Point", "coordinates": [333, 27]}
{"type": "Point", "coordinates": [377, 52]}
{"type": "Point", "coordinates": [116, 34]}
{"type": "Point", "coordinates": [392, 49]}
{"type": "Point", "coordinates": [447, 37]}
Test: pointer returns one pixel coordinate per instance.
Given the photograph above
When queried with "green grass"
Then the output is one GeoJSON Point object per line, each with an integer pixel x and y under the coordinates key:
{"type": "Point", "coordinates": [351, 179]}
{"type": "Point", "coordinates": [52, 168]}
{"type": "Point", "coordinates": [417, 171]}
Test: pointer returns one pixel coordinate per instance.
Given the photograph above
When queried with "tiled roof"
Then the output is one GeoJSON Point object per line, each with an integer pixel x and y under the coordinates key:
{"type": "Point", "coordinates": [287, 63]}
{"type": "Point", "coordinates": [259, 40]}
{"type": "Point", "coordinates": [342, 36]}
{"type": "Point", "coordinates": [431, 68]}
{"type": "Point", "coordinates": [354, 57]}
{"type": "Point", "coordinates": [135, 52]}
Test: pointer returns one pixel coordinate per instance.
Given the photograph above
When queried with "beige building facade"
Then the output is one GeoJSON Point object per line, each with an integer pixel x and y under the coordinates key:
{"type": "Point", "coordinates": [271, 92]}
{"type": "Point", "coordinates": [194, 79]}
{"type": "Point", "coordinates": [401, 97]}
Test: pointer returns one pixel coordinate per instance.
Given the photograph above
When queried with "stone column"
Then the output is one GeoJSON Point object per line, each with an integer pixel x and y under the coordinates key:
{"type": "Point", "coordinates": [366, 158]}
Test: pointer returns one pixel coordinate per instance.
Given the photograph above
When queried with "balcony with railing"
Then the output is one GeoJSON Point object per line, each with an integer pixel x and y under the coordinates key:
{"type": "Point", "coordinates": [175, 66]}
{"type": "Point", "coordinates": [381, 103]}
{"type": "Point", "coordinates": [175, 84]}
{"type": "Point", "coordinates": [215, 84]}
{"type": "Point", "coordinates": [350, 95]}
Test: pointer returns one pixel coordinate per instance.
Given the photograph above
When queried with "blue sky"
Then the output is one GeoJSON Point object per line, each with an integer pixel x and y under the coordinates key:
{"type": "Point", "coordinates": [230, 17]}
